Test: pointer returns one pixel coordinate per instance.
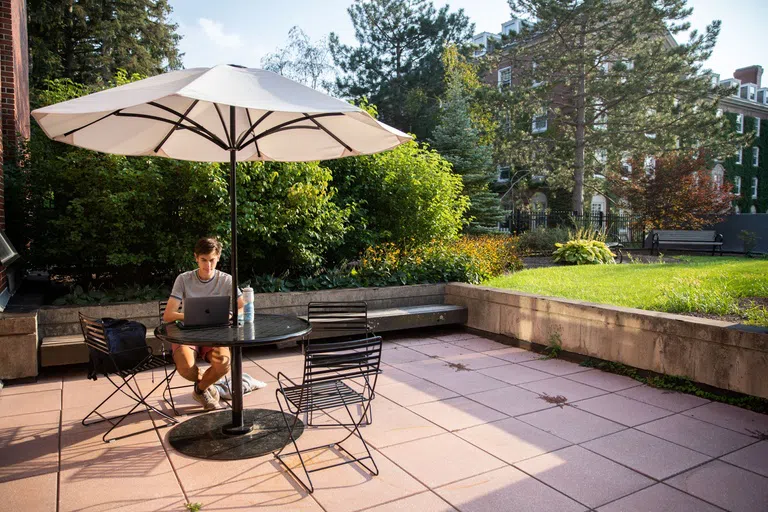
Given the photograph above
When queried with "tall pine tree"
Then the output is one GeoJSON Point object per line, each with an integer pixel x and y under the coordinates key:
{"type": "Point", "coordinates": [397, 61]}
{"type": "Point", "coordinates": [613, 84]}
{"type": "Point", "coordinates": [87, 41]}
{"type": "Point", "coordinates": [458, 139]}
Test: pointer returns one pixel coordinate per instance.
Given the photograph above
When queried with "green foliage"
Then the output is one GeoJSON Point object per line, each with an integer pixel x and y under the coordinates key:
{"type": "Point", "coordinates": [690, 294]}
{"type": "Point", "coordinates": [89, 41]}
{"type": "Point", "coordinates": [756, 315]}
{"type": "Point", "coordinates": [97, 295]}
{"type": "Point", "coordinates": [749, 239]}
{"type": "Point", "coordinates": [407, 196]}
{"type": "Point", "coordinates": [583, 252]}
{"type": "Point", "coordinates": [397, 62]}
{"type": "Point", "coordinates": [683, 385]}
{"type": "Point", "coordinates": [554, 346]}
{"type": "Point", "coordinates": [458, 141]}
{"type": "Point", "coordinates": [542, 240]}
{"type": "Point", "coordinates": [194, 507]}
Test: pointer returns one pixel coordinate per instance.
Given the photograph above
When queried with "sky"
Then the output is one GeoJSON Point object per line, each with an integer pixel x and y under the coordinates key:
{"type": "Point", "coordinates": [243, 31]}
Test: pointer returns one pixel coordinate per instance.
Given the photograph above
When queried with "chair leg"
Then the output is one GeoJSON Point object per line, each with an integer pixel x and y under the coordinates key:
{"type": "Point", "coordinates": [310, 488]}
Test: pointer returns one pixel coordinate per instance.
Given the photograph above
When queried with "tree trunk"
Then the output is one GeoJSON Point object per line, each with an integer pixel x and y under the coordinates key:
{"type": "Point", "coordinates": [577, 201]}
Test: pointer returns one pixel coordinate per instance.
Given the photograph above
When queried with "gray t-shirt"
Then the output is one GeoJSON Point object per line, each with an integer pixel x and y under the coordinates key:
{"type": "Point", "coordinates": [189, 284]}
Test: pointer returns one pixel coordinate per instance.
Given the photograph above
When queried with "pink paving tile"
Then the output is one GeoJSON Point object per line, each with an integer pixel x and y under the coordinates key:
{"type": "Point", "coordinates": [457, 413]}
{"type": "Point", "coordinates": [414, 341]}
{"type": "Point", "coordinates": [659, 497]}
{"type": "Point", "coordinates": [515, 374]}
{"type": "Point", "coordinates": [512, 400]}
{"type": "Point", "coordinates": [417, 392]}
{"type": "Point", "coordinates": [753, 458]}
{"type": "Point", "coordinates": [584, 476]}
{"type": "Point", "coordinates": [732, 417]}
{"type": "Point", "coordinates": [604, 380]}
{"type": "Point", "coordinates": [646, 454]}
{"type": "Point", "coordinates": [390, 376]}
{"type": "Point", "coordinates": [458, 336]}
{"type": "Point", "coordinates": [399, 354]}
{"type": "Point", "coordinates": [441, 459]}
{"type": "Point", "coordinates": [697, 435]}
{"type": "Point", "coordinates": [465, 382]}
{"type": "Point", "coordinates": [351, 487]}
{"type": "Point", "coordinates": [479, 344]}
{"type": "Point", "coordinates": [442, 350]}
{"type": "Point", "coordinates": [514, 354]}
{"type": "Point", "coordinates": [22, 404]}
{"type": "Point", "coordinates": [43, 384]}
{"type": "Point", "coordinates": [475, 361]}
{"type": "Point", "coordinates": [622, 410]}
{"type": "Point", "coordinates": [724, 485]}
{"type": "Point", "coordinates": [559, 386]}
{"type": "Point", "coordinates": [276, 492]}
{"type": "Point", "coordinates": [571, 424]}
{"type": "Point", "coordinates": [555, 366]}
{"type": "Point", "coordinates": [29, 444]}
{"type": "Point", "coordinates": [512, 440]}
{"type": "Point", "coordinates": [34, 493]}
{"type": "Point", "coordinates": [422, 502]}
{"type": "Point", "coordinates": [670, 400]}
{"type": "Point", "coordinates": [505, 489]}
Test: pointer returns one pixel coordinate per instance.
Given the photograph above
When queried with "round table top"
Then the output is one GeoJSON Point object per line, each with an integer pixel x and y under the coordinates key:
{"type": "Point", "coordinates": [263, 329]}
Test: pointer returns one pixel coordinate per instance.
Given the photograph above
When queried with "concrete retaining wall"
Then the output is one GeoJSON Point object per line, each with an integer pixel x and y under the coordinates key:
{"type": "Point", "coordinates": [18, 345]}
{"type": "Point", "coordinates": [721, 354]}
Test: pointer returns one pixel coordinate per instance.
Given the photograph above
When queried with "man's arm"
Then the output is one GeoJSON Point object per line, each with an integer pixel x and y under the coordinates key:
{"type": "Point", "coordinates": [240, 304]}
{"type": "Point", "coordinates": [172, 310]}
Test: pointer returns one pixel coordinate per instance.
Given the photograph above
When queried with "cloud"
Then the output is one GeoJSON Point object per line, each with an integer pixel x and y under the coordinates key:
{"type": "Point", "coordinates": [215, 32]}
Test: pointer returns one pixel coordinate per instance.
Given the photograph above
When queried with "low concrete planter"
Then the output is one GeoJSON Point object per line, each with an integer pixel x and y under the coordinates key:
{"type": "Point", "coordinates": [721, 354]}
{"type": "Point", "coordinates": [18, 345]}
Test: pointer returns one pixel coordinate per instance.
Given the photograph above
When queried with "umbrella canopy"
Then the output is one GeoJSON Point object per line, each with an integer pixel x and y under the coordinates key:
{"type": "Point", "coordinates": [186, 115]}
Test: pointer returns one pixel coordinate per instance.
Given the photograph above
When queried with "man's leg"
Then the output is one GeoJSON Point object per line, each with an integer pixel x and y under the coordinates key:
{"type": "Point", "coordinates": [184, 357]}
{"type": "Point", "coordinates": [220, 359]}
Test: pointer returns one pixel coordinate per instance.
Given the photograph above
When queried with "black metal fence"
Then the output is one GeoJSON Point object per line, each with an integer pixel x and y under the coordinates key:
{"type": "Point", "coordinates": [626, 227]}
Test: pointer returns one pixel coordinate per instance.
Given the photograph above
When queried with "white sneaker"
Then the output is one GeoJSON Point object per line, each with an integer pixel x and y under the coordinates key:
{"type": "Point", "coordinates": [209, 398]}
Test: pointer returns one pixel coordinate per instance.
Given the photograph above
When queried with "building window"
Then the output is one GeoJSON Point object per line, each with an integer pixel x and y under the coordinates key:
{"type": "Point", "coordinates": [736, 210]}
{"type": "Point", "coordinates": [505, 77]}
{"type": "Point", "coordinates": [539, 123]}
{"type": "Point", "coordinates": [755, 157]}
{"type": "Point", "coordinates": [757, 127]}
{"type": "Point", "coordinates": [738, 157]}
{"type": "Point", "coordinates": [753, 209]}
{"type": "Point", "coordinates": [503, 173]}
{"type": "Point", "coordinates": [650, 164]}
{"type": "Point", "coordinates": [737, 185]}
{"type": "Point", "coordinates": [754, 187]}
{"type": "Point", "coordinates": [717, 177]}
{"type": "Point", "coordinates": [8, 253]}
{"type": "Point", "coordinates": [601, 156]}
{"type": "Point", "coordinates": [740, 123]}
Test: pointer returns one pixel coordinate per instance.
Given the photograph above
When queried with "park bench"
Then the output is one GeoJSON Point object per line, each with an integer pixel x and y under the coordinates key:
{"type": "Point", "coordinates": [687, 237]}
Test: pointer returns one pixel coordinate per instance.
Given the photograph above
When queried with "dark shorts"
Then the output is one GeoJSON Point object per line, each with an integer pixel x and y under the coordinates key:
{"type": "Point", "coordinates": [203, 351]}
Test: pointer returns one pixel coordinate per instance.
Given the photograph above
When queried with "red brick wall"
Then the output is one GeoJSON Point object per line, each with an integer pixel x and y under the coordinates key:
{"type": "Point", "coordinates": [14, 89]}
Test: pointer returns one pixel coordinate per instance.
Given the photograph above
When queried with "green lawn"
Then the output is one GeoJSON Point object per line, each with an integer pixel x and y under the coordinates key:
{"type": "Point", "coordinates": [702, 284]}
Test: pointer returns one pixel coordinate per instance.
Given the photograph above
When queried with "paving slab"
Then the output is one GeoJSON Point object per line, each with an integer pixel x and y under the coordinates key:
{"type": "Point", "coordinates": [726, 486]}
{"type": "Point", "coordinates": [475, 361]}
{"type": "Point", "coordinates": [512, 400]}
{"type": "Point", "coordinates": [622, 409]}
{"type": "Point", "coordinates": [555, 366]}
{"type": "Point", "coordinates": [646, 454]}
{"type": "Point", "coordinates": [479, 344]}
{"type": "Point", "coordinates": [34, 493]}
{"type": "Point", "coordinates": [732, 417]}
{"type": "Point", "coordinates": [559, 386]}
{"type": "Point", "coordinates": [512, 440]}
{"type": "Point", "coordinates": [422, 502]}
{"type": "Point", "coordinates": [515, 374]}
{"type": "Point", "coordinates": [442, 350]}
{"type": "Point", "coordinates": [604, 380]}
{"type": "Point", "coordinates": [584, 476]}
{"type": "Point", "coordinates": [506, 489]}
{"type": "Point", "coordinates": [22, 403]}
{"type": "Point", "coordinates": [514, 354]}
{"type": "Point", "coordinates": [753, 458]}
{"type": "Point", "coordinates": [697, 435]}
{"type": "Point", "coordinates": [399, 354]}
{"type": "Point", "coordinates": [457, 413]}
{"type": "Point", "coordinates": [659, 498]}
{"type": "Point", "coordinates": [571, 424]}
{"type": "Point", "coordinates": [666, 399]}
{"type": "Point", "coordinates": [417, 392]}
{"type": "Point", "coordinates": [29, 445]}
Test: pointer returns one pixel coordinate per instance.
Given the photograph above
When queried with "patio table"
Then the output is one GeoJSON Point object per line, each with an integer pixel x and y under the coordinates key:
{"type": "Point", "coordinates": [243, 433]}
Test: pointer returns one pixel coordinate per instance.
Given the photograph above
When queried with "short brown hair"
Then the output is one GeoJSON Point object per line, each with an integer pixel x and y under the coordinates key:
{"type": "Point", "coordinates": [208, 245]}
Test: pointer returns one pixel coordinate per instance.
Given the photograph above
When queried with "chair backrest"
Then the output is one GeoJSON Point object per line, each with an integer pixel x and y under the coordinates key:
{"type": "Point", "coordinates": [341, 360]}
{"type": "Point", "coordinates": [334, 319]}
{"type": "Point", "coordinates": [161, 307]}
{"type": "Point", "coordinates": [93, 332]}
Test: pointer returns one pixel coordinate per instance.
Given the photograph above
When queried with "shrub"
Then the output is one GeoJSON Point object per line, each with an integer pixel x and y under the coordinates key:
{"type": "Point", "coordinates": [583, 252]}
{"type": "Point", "coordinates": [542, 240]}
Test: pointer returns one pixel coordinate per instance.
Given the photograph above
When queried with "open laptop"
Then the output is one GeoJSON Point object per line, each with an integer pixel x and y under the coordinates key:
{"type": "Point", "coordinates": [212, 311]}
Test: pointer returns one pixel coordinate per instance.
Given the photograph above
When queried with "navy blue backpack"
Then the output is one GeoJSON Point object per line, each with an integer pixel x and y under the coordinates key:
{"type": "Point", "coordinates": [127, 342]}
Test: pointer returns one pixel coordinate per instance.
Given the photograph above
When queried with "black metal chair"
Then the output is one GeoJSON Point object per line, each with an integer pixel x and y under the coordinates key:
{"type": "Point", "coordinates": [339, 321]}
{"type": "Point", "coordinates": [96, 339]}
{"type": "Point", "coordinates": [328, 367]}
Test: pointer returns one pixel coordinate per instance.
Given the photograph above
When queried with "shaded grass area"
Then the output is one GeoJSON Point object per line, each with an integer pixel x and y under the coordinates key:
{"type": "Point", "coordinates": [698, 284]}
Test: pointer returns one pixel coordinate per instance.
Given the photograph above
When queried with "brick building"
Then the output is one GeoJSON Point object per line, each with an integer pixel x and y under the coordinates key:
{"type": "Point", "coordinates": [14, 118]}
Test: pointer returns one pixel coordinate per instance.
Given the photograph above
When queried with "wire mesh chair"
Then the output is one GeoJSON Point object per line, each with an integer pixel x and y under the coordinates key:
{"type": "Point", "coordinates": [95, 336]}
{"type": "Point", "coordinates": [328, 368]}
{"type": "Point", "coordinates": [340, 321]}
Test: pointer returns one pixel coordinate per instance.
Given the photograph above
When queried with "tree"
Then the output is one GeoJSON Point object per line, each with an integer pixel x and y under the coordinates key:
{"type": "Point", "coordinates": [88, 41]}
{"type": "Point", "coordinates": [302, 60]}
{"type": "Point", "coordinates": [458, 141]}
{"type": "Point", "coordinates": [397, 63]}
{"type": "Point", "coordinates": [677, 192]}
{"type": "Point", "coordinates": [598, 81]}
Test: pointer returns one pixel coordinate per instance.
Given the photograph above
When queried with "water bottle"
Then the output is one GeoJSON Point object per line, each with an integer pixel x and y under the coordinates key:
{"type": "Point", "coordinates": [248, 306]}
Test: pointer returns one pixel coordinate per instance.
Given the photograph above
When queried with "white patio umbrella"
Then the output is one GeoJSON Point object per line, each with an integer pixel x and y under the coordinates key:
{"type": "Point", "coordinates": [219, 114]}
{"type": "Point", "coordinates": [226, 113]}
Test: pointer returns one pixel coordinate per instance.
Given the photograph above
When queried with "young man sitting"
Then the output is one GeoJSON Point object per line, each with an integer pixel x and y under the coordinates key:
{"type": "Point", "coordinates": [205, 281]}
